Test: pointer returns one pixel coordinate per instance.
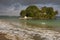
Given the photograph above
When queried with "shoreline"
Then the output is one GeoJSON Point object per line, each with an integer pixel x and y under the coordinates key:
{"type": "Point", "coordinates": [26, 33]}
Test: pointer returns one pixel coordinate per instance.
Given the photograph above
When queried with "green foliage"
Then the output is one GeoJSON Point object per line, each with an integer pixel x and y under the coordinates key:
{"type": "Point", "coordinates": [35, 12]}
{"type": "Point", "coordinates": [23, 13]}
{"type": "Point", "coordinates": [32, 11]}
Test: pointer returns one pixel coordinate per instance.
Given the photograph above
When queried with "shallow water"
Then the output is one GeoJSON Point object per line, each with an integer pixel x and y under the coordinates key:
{"type": "Point", "coordinates": [50, 24]}
{"type": "Point", "coordinates": [32, 29]}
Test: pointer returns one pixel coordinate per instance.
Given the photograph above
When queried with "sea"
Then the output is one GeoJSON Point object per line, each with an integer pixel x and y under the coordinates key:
{"type": "Point", "coordinates": [31, 29]}
{"type": "Point", "coordinates": [49, 24]}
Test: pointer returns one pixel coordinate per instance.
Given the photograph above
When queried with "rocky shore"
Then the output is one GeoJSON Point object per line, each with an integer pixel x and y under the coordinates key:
{"type": "Point", "coordinates": [25, 33]}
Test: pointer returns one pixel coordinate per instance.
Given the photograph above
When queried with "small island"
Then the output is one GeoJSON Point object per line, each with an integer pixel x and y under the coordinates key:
{"type": "Point", "coordinates": [36, 13]}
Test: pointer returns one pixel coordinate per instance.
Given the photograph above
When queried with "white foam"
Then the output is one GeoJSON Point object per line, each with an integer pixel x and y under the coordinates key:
{"type": "Point", "coordinates": [43, 23]}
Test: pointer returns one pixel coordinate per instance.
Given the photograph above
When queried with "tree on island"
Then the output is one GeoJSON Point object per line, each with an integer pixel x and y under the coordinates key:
{"type": "Point", "coordinates": [35, 12]}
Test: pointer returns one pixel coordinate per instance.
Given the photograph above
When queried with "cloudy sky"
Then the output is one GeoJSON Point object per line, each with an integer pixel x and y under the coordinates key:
{"type": "Point", "coordinates": [13, 7]}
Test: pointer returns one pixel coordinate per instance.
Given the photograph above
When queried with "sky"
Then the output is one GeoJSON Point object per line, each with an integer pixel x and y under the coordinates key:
{"type": "Point", "coordinates": [14, 7]}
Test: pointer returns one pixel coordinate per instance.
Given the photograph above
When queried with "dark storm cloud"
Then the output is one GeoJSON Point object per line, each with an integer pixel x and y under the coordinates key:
{"type": "Point", "coordinates": [13, 7]}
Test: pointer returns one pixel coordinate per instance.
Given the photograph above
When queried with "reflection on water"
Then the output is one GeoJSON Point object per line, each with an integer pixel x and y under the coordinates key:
{"type": "Point", "coordinates": [49, 24]}
{"type": "Point", "coordinates": [30, 29]}
{"type": "Point", "coordinates": [40, 24]}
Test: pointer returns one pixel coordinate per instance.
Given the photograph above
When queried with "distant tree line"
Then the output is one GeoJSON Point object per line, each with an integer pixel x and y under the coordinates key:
{"type": "Point", "coordinates": [35, 12]}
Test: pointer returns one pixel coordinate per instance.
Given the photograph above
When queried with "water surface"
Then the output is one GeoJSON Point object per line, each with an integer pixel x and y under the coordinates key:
{"type": "Point", "coordinates": [50, 24]}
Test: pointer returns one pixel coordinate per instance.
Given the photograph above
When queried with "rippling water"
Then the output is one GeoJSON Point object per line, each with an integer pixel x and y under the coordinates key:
{"type": "Point", "coordinates": [55, 23]}
{"type": "Point", "coordinates": [45, 28]}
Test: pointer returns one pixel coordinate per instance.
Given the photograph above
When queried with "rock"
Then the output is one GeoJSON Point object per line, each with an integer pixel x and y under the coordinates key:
{"type": "Point", "coordinates": [8, 31]}
{"type": "Point", "coordinates": [2, 37]}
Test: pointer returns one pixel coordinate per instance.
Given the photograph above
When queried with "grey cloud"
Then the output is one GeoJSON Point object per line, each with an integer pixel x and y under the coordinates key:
{"type": "Point", "coordinates": [12, 10]}
{"type": "Point", "coordinates": [27, 2]}
{"type": "Point", "coordinates": [13, 7]}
